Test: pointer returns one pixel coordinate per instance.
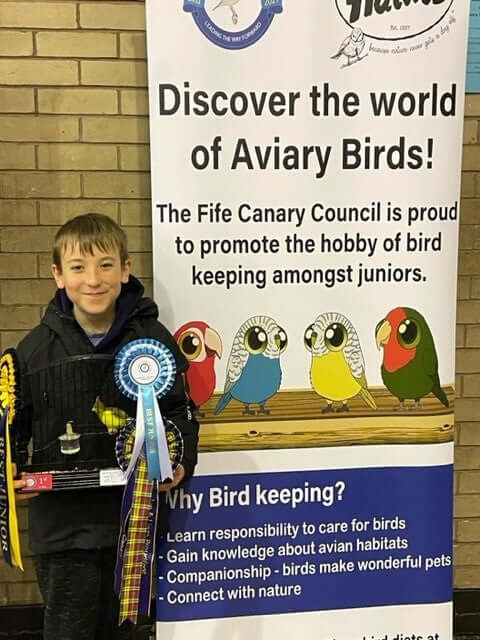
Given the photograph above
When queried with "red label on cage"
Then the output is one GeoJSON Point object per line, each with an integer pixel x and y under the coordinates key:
{"type": "Point", "coordinates": [38, 481]}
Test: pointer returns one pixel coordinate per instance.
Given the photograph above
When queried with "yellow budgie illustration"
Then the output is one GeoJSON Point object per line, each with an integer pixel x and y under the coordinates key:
{"type": "Point", "coordinates": [337, 370]}
{"type": "Point", "coordinates": [112, 417]}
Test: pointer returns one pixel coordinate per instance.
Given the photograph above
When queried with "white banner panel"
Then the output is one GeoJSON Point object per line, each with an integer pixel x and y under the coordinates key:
{"type": "Point", "coordinates": [370, 624]}
{"type": "Point", "coordinates": [305, 201]}
{"type": "Point", "coordinates": [330, 183]}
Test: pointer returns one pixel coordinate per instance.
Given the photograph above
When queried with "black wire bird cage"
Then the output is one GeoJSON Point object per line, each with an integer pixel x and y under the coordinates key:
{"type": "Point", "coordinates": [74, 411]}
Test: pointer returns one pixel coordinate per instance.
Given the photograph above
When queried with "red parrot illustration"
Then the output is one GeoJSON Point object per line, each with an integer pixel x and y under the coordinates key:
{"type": "Point", "coordinates": [200, 344]}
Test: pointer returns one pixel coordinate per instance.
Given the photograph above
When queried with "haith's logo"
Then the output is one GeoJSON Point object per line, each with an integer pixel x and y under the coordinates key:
{"type": "Point", "coordinates": [393, 19]}
{"type": "Point", "coordinates": [233, 24]}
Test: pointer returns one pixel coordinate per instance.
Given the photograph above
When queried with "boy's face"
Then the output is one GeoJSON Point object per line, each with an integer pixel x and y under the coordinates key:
{"type": "Point", "coordinates": [92, 283]}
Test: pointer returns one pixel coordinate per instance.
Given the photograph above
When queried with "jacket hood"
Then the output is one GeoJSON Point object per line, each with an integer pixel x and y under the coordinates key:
{"type": "Point", "coordinates": [129, 301]}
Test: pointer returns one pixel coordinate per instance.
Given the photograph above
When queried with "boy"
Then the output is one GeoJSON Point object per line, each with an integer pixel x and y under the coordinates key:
{"type": "Point", "coordinates": [98, 308]}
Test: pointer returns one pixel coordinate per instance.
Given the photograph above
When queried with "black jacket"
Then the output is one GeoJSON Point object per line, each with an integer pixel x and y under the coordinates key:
{"type": "Point", "coordinates": [61, 374]}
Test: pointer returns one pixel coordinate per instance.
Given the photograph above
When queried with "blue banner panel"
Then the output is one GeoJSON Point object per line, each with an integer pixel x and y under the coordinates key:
{"type": "Point", "coordinates": [473, 51]}
{"type": "Point", "coordinates": [269, 543]}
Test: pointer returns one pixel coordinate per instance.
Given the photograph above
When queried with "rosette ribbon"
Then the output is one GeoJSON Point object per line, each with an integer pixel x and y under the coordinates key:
{"type": "Point", "coordinates": [9, 537]}
{"type": "Point", "coordinates": [145, 370]}
{"type": "Point", "coordinates": [147, 451]}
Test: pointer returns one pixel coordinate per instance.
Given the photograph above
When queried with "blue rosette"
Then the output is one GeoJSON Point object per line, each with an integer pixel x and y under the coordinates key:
{"type": "Point", "coordinates": [144, 371]}
{"type": "Point", "coordinates": [144, 361]}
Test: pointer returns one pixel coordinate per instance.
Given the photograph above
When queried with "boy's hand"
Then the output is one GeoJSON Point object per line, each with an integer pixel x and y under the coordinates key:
{"type": "Point", "coordinates": [178, 476]}
{"type": "Point", "coordinates": [19, 483]}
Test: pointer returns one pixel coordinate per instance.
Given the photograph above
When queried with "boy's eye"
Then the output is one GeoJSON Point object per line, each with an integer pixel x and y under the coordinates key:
{"type": "Point", "coordinates": [76, 267]}
{"type": "Point", "coordinates": [107, 265]}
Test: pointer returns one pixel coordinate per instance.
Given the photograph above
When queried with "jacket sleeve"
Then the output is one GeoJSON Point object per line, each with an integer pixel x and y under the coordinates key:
{"type": "Point", "coordinates": [176, 406]}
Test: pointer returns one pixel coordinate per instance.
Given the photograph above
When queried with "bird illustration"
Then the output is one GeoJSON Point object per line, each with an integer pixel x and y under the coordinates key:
{"type": "Point", "coordinates": [337, 370]}
{"type": "Point", "coordinates": [352, 46]}
{"type": "Point", "coordinates": [410, 363]}
{"type": "Point", "coordinates": [253, 370]}
{"type": "Point", "coordinates": [199, 343]}
{"type": "Point", "coordinates": [112, 417]}
{"type": "Point", "coordinates": [229, 3]}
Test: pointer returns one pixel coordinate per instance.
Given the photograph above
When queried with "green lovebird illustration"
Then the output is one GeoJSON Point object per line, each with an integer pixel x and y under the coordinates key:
{"type": "Point", "coordinates": [410, 363]}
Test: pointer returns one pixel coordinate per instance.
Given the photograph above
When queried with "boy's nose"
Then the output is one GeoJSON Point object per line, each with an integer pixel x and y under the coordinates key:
{"type": "Point", "coordinates": [93, 279]}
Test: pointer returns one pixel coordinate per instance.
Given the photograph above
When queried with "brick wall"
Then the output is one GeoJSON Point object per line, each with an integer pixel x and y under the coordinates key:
{"type": "Point", "coordinates": [73, 138]}
{"type": "Point", "coordinates": [467, 452]}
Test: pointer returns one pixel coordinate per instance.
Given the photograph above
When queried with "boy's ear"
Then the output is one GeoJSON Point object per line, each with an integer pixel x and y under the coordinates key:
{"type": "Point", "coordinates": [126, 270]}
{"type": "Point", "coordinates": [57, 274]}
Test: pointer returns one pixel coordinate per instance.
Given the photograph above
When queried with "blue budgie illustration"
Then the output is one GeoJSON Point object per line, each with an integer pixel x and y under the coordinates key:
{"type": "Point", "coordinates": [253, 370]}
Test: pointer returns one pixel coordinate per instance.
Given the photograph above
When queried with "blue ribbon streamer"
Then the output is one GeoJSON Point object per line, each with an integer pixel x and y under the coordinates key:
{"type": "Point", "coordinates": [151, 431]}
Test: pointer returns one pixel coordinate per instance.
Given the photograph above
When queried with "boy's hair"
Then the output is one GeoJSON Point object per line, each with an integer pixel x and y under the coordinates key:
{"type": "Point", "coordinates": [89, 231]}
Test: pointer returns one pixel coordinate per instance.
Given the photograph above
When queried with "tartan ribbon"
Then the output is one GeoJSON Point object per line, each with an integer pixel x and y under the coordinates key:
{"type": "Point", "coordinates": [9, 536]}
{"type": "Point", "coordinates": [133, 579]}
{"type": "Point", "coordinates": [139, 517]}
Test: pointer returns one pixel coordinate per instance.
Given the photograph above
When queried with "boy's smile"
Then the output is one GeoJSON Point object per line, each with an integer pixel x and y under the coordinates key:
{"type": "Point", "coordinates": [93, 283]}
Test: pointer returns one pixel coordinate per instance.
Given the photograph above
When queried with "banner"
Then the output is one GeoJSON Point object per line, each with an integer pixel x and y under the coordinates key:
{"type": "Point", "coordinates": [305, 202]}
{"type": "Point", "coordinates": [328, 537]}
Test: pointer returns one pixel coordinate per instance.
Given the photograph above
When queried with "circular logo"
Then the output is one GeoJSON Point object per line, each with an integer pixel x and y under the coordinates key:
{"type": "Point", "coordinates": [233, 24]}
{"type": "Point", "coordinates": [144, 362]}
{"type": "Point", "coordinates": [403, 20]}
{"type": "Point", "coordinates": [144, 370]}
